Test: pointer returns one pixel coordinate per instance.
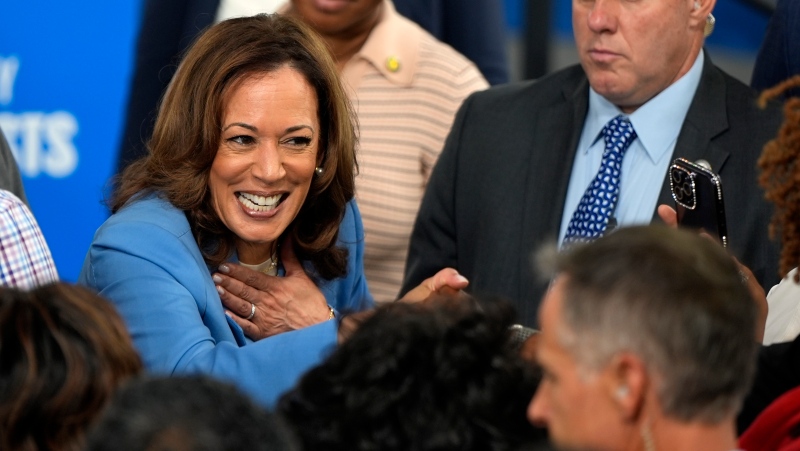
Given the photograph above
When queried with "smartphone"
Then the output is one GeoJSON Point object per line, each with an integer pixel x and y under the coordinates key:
{"type": "Point", "coordinates": [698, 198]}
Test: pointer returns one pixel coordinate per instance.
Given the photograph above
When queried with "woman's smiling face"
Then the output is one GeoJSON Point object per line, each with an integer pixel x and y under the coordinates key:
{"type": "Point", "coordinates": [265, 163]}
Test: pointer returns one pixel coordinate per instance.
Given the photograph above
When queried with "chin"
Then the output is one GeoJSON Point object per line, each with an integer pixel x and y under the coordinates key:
{"type": "Point", "coordinates": [256, 241]}
{"type": "Point", "coordinates": [258, 234]}
{"type": "Point", "coordinates": [610, 89]}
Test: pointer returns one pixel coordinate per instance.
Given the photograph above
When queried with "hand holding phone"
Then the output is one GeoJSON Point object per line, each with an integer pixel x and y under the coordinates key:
{"type": "Point", "coordinates": [699, 204]}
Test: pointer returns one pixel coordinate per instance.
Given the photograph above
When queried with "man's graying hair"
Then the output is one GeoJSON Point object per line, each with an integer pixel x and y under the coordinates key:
{"type": "Point", "coordinates": [674, 299]}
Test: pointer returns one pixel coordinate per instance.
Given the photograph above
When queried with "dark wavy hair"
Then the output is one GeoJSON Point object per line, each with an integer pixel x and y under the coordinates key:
{"type": "Point", "coordinates": [442, 375]}
{"type": "Point", "coordinates": [63, 352]}
{"type": "Point", "coordinates": [780, 176]}
{"type": "Point", "coordinates": [187, 135]}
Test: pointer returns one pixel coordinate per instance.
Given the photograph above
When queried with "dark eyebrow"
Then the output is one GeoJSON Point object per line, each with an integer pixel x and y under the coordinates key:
{"type": "Point", "coordinates": [241, 124]}
{"type": "Point", "coordinates": [254, 129]}
{"type": "Point", "coordinates": [299, 127]}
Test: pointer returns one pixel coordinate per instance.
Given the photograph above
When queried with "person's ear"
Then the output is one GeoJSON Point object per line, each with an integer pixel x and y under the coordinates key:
{"type": "Point", "coordinates": [701, 17]}
{"type": "Point", "coordinates": [627, 384]}
{"type": "Point", "coordinates": [320, 159]}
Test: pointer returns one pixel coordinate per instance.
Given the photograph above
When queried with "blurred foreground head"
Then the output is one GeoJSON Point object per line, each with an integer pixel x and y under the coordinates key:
{"type": "Point", "coordinates": [189, 413]}
{"type": "Point", "coordinates": [438, 375]}
{"type": "Point", "coordinates": [63, 352]}
{"type": "Point", "coordinates": [647, 334]}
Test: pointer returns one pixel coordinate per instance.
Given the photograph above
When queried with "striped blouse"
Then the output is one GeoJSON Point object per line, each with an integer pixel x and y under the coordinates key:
{"type": "Point", "coordinates": [406, 88]}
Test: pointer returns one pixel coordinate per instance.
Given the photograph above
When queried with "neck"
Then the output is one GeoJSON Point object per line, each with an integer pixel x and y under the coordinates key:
{"type": "Point", "coordinates": [671, 434]}
{"type": "Point", "coordinates": [344, 50]}
{"type": "Point", "coordinates": [345, 43]}
{"type": "Point", "coordinates": [255, 254]}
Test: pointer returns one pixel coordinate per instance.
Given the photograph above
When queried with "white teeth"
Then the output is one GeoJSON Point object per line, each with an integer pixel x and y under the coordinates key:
{"type": "Point", "coordinates": [259, 203]}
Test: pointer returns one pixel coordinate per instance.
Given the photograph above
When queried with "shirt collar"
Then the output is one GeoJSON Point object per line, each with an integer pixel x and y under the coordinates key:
{"type": "Point", "coordinates": [658, 122]}
{"type": "Point", "coordinates": [392, 53]}
{"type": "Point", "coordinates": [391, 48]}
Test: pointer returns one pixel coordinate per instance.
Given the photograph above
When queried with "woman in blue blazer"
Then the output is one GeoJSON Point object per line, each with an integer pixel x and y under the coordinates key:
{"type": "Point", "coordinates": [251, 164]}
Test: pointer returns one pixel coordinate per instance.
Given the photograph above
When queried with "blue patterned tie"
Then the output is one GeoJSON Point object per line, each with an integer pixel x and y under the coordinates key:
{"type": "Point", "coordinates": [590, 219]}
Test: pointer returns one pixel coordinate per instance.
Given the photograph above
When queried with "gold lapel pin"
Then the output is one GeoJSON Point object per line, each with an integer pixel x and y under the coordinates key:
{"type": "Point", "coordinates": [393, 64]}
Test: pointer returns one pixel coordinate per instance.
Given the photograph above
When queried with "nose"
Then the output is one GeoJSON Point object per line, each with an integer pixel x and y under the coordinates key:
{"type": "Point", "coordinates": [267, 163]}
{"type": "Point", "coordinates": [537, 409]}
{"type": "Point", "coordinates": [602, 16]}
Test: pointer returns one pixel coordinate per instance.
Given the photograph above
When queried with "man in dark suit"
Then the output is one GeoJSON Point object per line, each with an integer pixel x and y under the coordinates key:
{"type": "Point", "coordinates": [779, 56]}
{"type": "Point", "coordinates": [519, 156]}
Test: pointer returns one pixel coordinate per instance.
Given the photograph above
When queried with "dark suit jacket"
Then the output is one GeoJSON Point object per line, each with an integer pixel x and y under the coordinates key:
{"type": "Point", "coordinates": [168, 27]}
{"type": "Point", "coordinates": [497, 192]}
{"type": "Point", "coordinates": [166, 31]}
{"type": "Point", "coordinates": [779, 56]}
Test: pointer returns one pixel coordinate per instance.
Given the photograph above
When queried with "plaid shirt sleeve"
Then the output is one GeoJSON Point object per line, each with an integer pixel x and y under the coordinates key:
{"type": "Point", "coordinates": [25, 259]}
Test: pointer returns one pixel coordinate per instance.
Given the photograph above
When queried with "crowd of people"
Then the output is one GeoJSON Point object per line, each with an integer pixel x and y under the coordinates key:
{"type": "Point", "coordinates": [336, 235]}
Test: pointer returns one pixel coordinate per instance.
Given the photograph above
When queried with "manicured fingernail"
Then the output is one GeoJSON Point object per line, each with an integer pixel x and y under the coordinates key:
{"type": "Point", "coordinates": [461, 278]}
{"type": "Point", "coordinates": [224, 269]}
{"type": "Point", "coordinates": [230, 315]}
{"type": "Point", "coordinates": [220, 290]}
{"type": "Point", "coordinates": [216, 278]}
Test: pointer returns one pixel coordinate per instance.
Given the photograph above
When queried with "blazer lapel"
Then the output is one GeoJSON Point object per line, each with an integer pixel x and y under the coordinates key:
{"type": "Point", "coordinates": [554, 144]}
{"type": "Point", "coordinates": [706, 119]}
{"type": "Point", "coordinates": [577, 102]}
{"type": "Point", "coordinates": [236, 330]}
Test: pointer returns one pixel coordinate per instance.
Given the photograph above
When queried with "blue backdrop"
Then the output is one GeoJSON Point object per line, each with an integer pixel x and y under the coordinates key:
{"type": "Point", "coordinates": [64, 69]}
{"type": "Point", "coordinates": [64, 72]}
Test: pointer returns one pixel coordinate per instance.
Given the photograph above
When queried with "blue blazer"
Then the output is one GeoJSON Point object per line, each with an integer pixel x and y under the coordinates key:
{"type": "Point", "coordinates": [146, 261]}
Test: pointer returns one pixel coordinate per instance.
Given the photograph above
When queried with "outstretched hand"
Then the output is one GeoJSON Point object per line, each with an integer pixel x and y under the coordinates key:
{"type": "Point", "coordinates": [446, 281]}
{"type": "Point", "coordinates": [281, 304]}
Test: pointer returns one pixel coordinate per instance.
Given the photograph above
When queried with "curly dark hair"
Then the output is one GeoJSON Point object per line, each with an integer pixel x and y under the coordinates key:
{"type": "Point", "coordinates": [780, 176]}
{"type": "Point", "coordinates": [63, 352]}
{"type": "Point", "coordinates": [441, 375]}
{"type": "Point", "coordinates": [188, 129]}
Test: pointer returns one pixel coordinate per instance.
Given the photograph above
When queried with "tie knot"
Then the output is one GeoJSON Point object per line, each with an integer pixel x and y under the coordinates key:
{"type": "Point", "coordinates": [619, 133]}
